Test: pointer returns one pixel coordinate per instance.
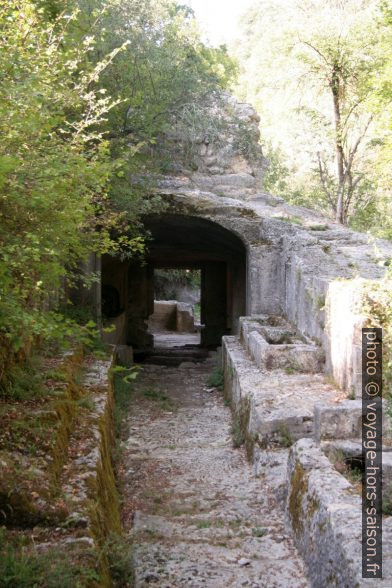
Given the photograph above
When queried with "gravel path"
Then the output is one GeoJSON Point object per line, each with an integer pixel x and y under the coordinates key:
{"type": "Point", "coordinates": [196, 513]}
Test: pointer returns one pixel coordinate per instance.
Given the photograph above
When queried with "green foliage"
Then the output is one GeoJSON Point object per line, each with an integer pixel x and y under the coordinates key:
{"type": "Point", "coordinates": [17, 569]}
{"type": "Point", "coordinates": [320, 76]}
{"type": "Point", "coordinates": [237, 432]}
{"type": "Point", "coordinates": [197, 311]}
{"type": "Point", "coordinates": [377, 306]}
{"type": "Point", "coordinates": [162, 79]}
{"type": "Point", "coordinates": [294, 220]}
{"type": "Point", "coordinates": [276, 175]}
{"type": "Point", "coordinates": [217, 379]}
{"type": "Point", "coordinates": [24, 382]}
{"type": "Point", "coordinates": [163, 400]}
{"type": "Point", "coordinates": [123, 394]}
{"type": "Point", "coordinates": [54, 170]}
{"type": "Point", "coordinates": [259, 531]}
{"type": "Point", "coordinates": [87, 90]}
{"type": "Point", "coordinates": [118, 550]}
{"type": "Point", "coordinates": [155, 395]}
{"type": "Point", "coordinates": [167, 282]}
{"type": "Point", "coordinates": [285, 437]}
{"type": "Point", "coordinates": [22, 566]}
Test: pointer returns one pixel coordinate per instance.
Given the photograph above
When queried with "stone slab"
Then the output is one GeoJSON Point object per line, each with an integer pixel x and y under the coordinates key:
{"type": "Point", "coordinates": [341, 421]}
{"type": "Point", "coordinates": [324, 511]}
{"type": "Point", "coordinates": [276, 407]}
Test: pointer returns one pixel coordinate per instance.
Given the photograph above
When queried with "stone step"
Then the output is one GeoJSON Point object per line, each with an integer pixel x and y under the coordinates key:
{"type": "Point", "coordinates": [273, 343]}
{"type": "Point", "coordinates": [198, 552]}
{"type": "Point", "coordinates": [174, 356]}
{"type": "Point", "coordinates": [349, 452]}
{"type": "Point", "coordinates": [343, 420]}
{"type": "Point", "coordinates": [172, 361]}
{"type": "Point", "coordinates": [204, 527]}
{"type": "Point", "coordinates": [349, 447]}
{"type": "Point", "coordinates": [271, 407]}
{"type": "Point", "coordinates": [185, 350]}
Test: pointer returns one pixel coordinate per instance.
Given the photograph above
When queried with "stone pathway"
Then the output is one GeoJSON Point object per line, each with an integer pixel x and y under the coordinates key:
{"type": "Point", "coordinates": [196, 513]}
{"type": "Point", "coordinates": [170, 339]}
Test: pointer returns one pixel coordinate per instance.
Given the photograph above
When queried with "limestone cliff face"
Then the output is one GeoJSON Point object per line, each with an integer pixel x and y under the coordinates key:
{"type": "Point", "coordinates": [236, 149]}
{"type": "Point", "coordinates": [219, 142]}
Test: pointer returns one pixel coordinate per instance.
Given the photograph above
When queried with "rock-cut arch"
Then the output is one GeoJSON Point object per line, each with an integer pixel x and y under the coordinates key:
{"type": "Point", "coordinates": [182, 241]}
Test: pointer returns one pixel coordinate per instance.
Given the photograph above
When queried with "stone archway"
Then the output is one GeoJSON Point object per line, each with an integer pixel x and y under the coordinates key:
{"type": "Point", "coordinates": [182, 241]}
{"type": "Point", "coordinates": [189, 241]}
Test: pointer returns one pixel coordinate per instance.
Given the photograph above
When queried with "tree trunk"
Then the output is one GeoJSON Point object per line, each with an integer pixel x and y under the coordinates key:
{"type": "Point", "coordinates": [335, 88]}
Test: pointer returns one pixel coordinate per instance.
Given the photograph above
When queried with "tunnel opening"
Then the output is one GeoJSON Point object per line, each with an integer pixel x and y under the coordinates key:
{"type": "Point", "coordinates": [178, 243]}
{"type": "Point", "coordinates": [175, 321]}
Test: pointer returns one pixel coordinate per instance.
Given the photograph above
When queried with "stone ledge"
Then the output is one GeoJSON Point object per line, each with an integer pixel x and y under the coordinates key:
{"type": "Point", "coordinates": [274, 407]}
{"type": "Point", "coordinates": [273, 344]}
{"type": "Point", "coordinates": [351, 450]}
{"type": "Point", "coordinates": [88, 480]}
{"type": "Point", "coordinates": [324, 512]}
{"type": "Point", "coordinates": [342, 421]}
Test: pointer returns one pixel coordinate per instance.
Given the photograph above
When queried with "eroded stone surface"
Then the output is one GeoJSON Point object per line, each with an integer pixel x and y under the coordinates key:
{"type": "Point", "coordinates": [343, 421]}
{"type": "Point", "coordinates": [324, 510]}
{"type": "Point", "coordinates": [199, 514]}
{"type": "Point", "coordinates": [278, 404]}
{"type": "Point", "coordinates": [300, 263]}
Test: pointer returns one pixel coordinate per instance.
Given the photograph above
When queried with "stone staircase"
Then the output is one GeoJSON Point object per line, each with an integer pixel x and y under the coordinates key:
{"type": "Point", "coordinates": [196, 514]}
{"type": "Point", "coordinates": [274, 378]}
{"type": "Point", "coordinates": [281, 398]}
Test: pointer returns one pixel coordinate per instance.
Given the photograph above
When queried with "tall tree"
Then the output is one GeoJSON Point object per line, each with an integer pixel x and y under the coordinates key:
{"type": "Point", "coordinates": [86, 87]}
{"type": "Point", "coordinates": [310, 67]}
{"type": "Point", "coordinates": [342, 63]}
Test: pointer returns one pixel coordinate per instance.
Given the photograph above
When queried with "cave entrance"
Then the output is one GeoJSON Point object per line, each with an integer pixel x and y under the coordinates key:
{"type": "Point", "coordinates": [178, 243]}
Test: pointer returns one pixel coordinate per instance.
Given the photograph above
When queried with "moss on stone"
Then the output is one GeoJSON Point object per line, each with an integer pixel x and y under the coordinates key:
{"type": "Point", "coordinates": [66, 410]}
{"type": "Point", "coordinates": [312, 507]}
{"type": "Point", "coordinates": [299, 487]}
{"type": "Point", "coordinates": [285, 437]}
{"type": "Point", "coordinates": [240, 423]}
{"type": "Point", "coordinates": [104, 510]}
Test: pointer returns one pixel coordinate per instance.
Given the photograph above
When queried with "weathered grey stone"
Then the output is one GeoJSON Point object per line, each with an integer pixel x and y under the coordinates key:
{"type": "Point", "coordinates": [295, 357]}
{"type": "Point", "coordinates": [239, 180]}
{"type": "Point", "coordinates": [275, 407]}
{"type": "Point", "coordinates": [298, 263]}
{"type": "Point", "coordinates": [347, 447]}
{"type": "Point", "coordinates": [124, 355]}
{"type": "Point", "coordinates": [185, 321]}
{"type": "Point", "coordinates": [387, 477]}
{"type": "Point", "coordinates": [325, 515]}
{"type": "Point", "coordinates": [206, 520]}
{"type": "Point", "coordinates": [342, 421]}
{"type": "Point", "coordinates": [352, 450]}
{"type": "Point", "coordinates": [273, 344]}
{"type": "Point", "coordinates": [221, 152]}
{"type": "Point", "coordinates": [164, 316]}
{"type": "Point", "coordinates": [279, 335]}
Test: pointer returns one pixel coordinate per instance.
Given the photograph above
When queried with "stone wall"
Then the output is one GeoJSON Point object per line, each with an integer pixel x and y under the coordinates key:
{"type": "Point", "coordinates": [164, 317]}
{"type": "Point", "coordinates": [171, 315]}
{"type": "Point", "coordinates": [298, 263]}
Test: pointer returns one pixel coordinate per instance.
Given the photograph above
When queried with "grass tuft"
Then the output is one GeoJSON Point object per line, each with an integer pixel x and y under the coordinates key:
{"type": "Point", "coordinates": [216, 379]}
